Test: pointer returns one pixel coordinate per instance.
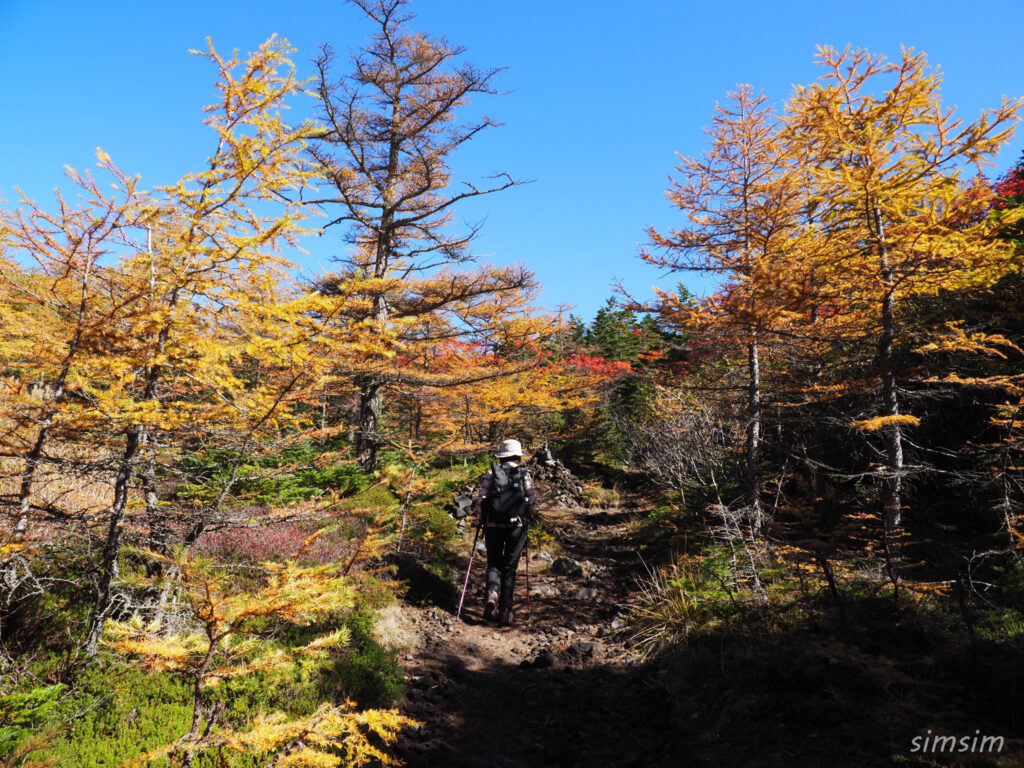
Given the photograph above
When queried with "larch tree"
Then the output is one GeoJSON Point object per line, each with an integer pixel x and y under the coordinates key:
{"type": "Point", "coordinates": [982, 350]}
{"type": "Point", "coordinates": [53, 315]}
{"type": "Point", "coordinates": [207, 264]}
{"type": "Point", "coordinates": [742, 204]}
{"type": "Point", "coordinates": [885, 161]}
{"type": "Point", "coordinates": [227, 641]}
{"type": "Point", "coordinates": [58, 308]}
{"type": "Point", "coordinates": [390, 129]}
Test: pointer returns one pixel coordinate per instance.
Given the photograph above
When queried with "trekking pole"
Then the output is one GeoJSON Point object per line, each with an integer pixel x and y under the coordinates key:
{"type": "Point", "coordinates": [469, 570]}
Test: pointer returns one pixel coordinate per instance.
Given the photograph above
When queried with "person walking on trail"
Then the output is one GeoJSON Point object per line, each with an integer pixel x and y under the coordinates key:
{"type": "Point", "coordinates": [506, 501]}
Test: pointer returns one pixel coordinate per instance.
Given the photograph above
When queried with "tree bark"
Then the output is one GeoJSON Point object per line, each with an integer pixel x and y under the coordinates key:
{"type": "Point", "coordinates": [154, 517]}
{"type": "Point", "coordinates": [892, 483]}
{"type": "Point", "coordinates": [754, 435]}
{"type": "Point", "coordinates": [112, 546]}
{"type": "Point", "coordinates": [367, 437]}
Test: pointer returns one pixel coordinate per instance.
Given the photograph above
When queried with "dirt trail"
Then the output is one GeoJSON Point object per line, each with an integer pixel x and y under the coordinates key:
{"type": "Point", "coordinates": [558, 688]}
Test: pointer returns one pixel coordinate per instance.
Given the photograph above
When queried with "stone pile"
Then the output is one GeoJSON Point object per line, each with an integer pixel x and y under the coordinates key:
{"type": "Point", "coordinates": [555, 485]}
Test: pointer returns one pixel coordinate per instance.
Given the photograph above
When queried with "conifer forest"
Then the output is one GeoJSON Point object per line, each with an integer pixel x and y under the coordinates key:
{"type": "Point", "coordinates": [778, 523]}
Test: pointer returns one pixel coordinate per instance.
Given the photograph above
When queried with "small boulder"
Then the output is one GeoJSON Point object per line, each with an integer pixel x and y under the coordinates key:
{"type": "Point", "coordinates": [544, 660]}
{"type": "Point", "coordinates": [586, 593]}
{"type": "Point", "coordinates": [544, 590]}
{"type": "Point", "coordinates": [585, 648]}
{"type": "Point", "coordinates": [566, 566]}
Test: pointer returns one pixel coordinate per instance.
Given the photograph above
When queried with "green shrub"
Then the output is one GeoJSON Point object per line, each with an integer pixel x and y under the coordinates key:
{"type": "Point", "coordinates": [22, 713]}
{"type": "Point", "coordinates": [288, 476]}
{"type": "Point", "coordinates": [116, 712]}
{"type": "Point", "coordinates": [369, 673]}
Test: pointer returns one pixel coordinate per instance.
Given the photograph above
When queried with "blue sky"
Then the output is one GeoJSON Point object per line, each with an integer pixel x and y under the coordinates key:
{"type": "Point", "coordinates": [600, 95]}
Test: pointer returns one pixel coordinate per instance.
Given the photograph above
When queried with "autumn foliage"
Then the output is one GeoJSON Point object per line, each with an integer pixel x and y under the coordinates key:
{"type": "Point", "coordinates": [847, 228]}
{"type": "Point", "coordinates": [174, 388]}
{"type": "Point", "coordinates": [212, 463]}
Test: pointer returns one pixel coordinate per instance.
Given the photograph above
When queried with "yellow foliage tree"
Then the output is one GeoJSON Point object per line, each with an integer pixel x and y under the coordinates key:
{"type": "Point", "coordinates": [57, 311]}
{"type": "Point", "coordinates": [230, 642]}
{"type": "Point", "coordinates": [151, 322]}
{"type": "Point", "coordinates": [885, 161]}
{"type": "Point", "coordinates": [209, 264]}
{"type": "Point", "coordinates": [743, 204]}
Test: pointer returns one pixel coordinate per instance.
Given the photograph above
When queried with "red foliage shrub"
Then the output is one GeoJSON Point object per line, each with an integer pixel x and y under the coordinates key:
{"type": "Point", "coordinates": [275, 542]}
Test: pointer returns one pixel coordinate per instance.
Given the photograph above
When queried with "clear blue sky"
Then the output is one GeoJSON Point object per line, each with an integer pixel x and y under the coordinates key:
{"type": "Point", "coordinates": [601, 96]}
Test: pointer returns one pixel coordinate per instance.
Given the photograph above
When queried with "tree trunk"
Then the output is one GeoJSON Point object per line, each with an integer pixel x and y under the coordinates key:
{"type": "Point", "coordinates": [892, 484]}
{"type": "Point", "coordinates": [136, 437]}
{"type": "Point", "coordinates": [9, 568]}
{"type": "Point", "coordinates": [891, 407]}
{"type": "Point", "coordinates": [370, 396]}
{"type": "Point", "coordinates": [154, 517]}
{"type": "Point", "coordinates": [28, 478]}
{"type": "Point", "coordinates": [367, 437]}
{"type": "Point", "coordinates": [753, 471]}
{"type": "Point", "coordinates": [32, 460]}
{"type": "Point", "coordinates": [112, 547]}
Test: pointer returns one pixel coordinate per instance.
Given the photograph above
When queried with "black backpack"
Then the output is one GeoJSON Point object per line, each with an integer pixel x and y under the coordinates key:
{"type": "Point", "coordinates": [506, 502]}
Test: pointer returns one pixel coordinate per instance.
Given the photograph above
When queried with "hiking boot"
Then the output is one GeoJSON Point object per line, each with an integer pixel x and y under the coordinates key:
{"type": "Point", "coordinates": [505, 617]}
{"type": "Point", "coordinates": [492, 603]}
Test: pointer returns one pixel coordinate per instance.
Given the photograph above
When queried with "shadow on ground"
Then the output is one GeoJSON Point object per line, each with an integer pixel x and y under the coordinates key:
{"type": "Point", "coordinates": [797, 688]}
{"type": "Point", "coordinates": [516, 716]}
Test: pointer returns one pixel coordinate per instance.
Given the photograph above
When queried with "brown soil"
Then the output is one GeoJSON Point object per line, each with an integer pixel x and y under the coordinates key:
{"type": "Point", "coordinates": [558, 688]}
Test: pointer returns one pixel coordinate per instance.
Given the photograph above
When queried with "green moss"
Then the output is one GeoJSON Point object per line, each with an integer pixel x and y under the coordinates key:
{"type": "Point", "coordinates": [21, 713]}
{"type": "Point", "coordinates": [116, 712]}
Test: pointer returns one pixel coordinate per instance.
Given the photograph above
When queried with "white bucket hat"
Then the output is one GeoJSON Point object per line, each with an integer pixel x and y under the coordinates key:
{"type": "Point", "coordinates": [509, 448]}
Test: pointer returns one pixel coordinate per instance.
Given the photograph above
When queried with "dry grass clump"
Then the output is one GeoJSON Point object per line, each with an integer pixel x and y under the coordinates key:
{"type": "Point", "coordinates": [596, 495]}
{"type": "Point", "coordinates": [676, 603]}
{"type": "Point", "coordinates": [395, 629]}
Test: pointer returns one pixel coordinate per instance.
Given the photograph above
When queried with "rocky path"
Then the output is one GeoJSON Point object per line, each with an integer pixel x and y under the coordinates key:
{"type": "Point", "coordinates": [558, 688]}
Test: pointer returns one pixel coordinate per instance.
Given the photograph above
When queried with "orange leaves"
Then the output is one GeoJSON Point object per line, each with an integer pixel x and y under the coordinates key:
{"type": "Point", "coordinates": [958, 340]}
{"type": "Point", "coordinates": [886, 167]}
{"type": "Point", "coordinates": [254, 138]}
{"type": "Point", "coordinates": [881, 422]}
{"type": "Point", "coordinates": [605, 368]}
{"type": "Point", "coordinates": [742, 200]}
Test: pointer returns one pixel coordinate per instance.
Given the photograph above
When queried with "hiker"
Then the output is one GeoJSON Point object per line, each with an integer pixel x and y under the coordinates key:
{"type": "Point", "coordinates": [506, 502]}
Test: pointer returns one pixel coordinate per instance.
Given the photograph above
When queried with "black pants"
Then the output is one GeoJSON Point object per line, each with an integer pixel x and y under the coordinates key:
{"type": "Point", "coordinates": [504, 546]}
